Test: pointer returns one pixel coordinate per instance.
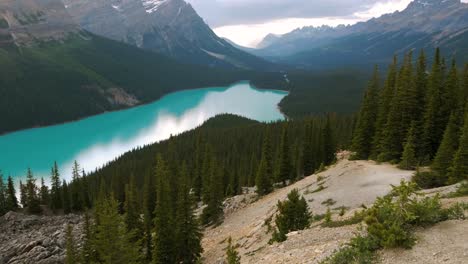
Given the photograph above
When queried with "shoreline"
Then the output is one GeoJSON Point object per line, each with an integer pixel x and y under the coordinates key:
{"type": "Point", "coordinates": [143, 104]}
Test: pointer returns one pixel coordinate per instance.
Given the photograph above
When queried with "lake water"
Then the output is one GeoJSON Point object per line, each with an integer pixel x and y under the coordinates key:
{"type": "Point", "coordinates": [99, 139]}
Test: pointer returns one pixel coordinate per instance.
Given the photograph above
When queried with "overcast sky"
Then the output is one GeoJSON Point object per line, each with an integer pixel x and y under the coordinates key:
{"type": "Point", "coordinates": [247, 21]}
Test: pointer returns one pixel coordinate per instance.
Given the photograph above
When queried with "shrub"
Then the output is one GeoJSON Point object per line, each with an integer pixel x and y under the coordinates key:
{"type": "Point", "coordinates": [293, 215]}
{"type": "Point", "coordinates": [428, 179]}
{"type": "Point", "coordinates": [360, 250]}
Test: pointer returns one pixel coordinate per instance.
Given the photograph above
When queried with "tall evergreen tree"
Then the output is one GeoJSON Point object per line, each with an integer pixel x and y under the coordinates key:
{"type": "Point", "coordinates": [459, 170]}
{"type": "Point", "coordinates": [55, 190]}
{"type": "Point", "coordinates": [262, 181]}
{"type": "Point", "coordinates": [308, 153]}
{"type": "Point", "coordinates": [408, 160]}
{"type": "Point", "coordinates": [87, 253]}
{"type": "Point", "coordinates": [23, 194]}
{"type": "Point", "coordinates": [11, 200]}
{"type": "Point", "coordinates": [44, 193]}
{"type": "Point", "coordinates": [188, 234]}
{"type": "Point", "coordinates": [32, 198]}
{"type": "Point", "coordinates": [420, 84]}
{"type": "Point", "coordinates": [434, 121]}
{"type": "Point", "coordinates": [385, 98]}
{"type": "Point", "coordinates": [163, 240]}
{"type": "Point", "coordinates": [3, 200]}
{"type": "Point", "coordinates": [132, 212]}
{"type": "Point", "coordinates": [66, 205]}
{"type": "Point", "coordinates": [76, 197]}
{"type": "Point", "coordinates": [71, 252]}
{"type": "Point", "coordinates": [285, 168]}
{"type": "Point", "coordinates": [149, 204]}
{"type": "Point", "coordinates": [328, 143]}
{"type": "Point", "coordinates": [365, 128]}
{"type": "Point", "coordinates": [447, 149]}
{"type": "Point", "coordinates": [213, 211]}
{"type": "Point", "coordinates": [111, 241]}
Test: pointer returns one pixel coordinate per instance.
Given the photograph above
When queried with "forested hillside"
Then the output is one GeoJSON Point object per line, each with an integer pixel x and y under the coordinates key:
{"type": "Point", "coordinates": [418, 118]}
{"type": "Point", "coordinates": [163, 181]}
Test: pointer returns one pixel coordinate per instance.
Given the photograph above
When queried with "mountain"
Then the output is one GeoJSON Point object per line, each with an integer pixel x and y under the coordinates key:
{"type": "Point", "coordinates": [52, 71]}
{"type": "Point", "coordinates": [170, 27]}
{"type": "Point", "coordinates": [423, 24]}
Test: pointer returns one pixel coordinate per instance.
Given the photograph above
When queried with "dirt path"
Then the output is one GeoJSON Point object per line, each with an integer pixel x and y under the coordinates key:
{"type": "Point", "coordinates": [348, 183]}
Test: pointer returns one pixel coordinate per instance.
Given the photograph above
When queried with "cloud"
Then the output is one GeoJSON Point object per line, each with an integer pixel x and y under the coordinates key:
{"type": "Point", "coordinates": [219, 13]}
{"type": "Point", "coordinates": [282, 16]}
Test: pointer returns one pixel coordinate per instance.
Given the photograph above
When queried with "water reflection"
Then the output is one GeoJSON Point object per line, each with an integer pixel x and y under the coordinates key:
{"type": "Point", "coordinates": [97, 140]}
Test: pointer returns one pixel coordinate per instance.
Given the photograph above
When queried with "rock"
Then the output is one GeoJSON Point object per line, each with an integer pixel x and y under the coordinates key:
{"type": "Point", "coordinates": [35, 239]}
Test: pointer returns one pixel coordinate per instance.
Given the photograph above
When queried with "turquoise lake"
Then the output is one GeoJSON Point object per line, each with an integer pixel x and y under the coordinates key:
{"type": "Point", "coordinates": [99, 139]}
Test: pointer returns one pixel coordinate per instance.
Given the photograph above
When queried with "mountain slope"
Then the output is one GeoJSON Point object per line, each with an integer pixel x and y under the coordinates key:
{"type": "Point", "coordinates": [423, 24]}
{"type": "Point", "coordinates": [51, 71]}
{"type": "Point", "coordinates": [170, 27]}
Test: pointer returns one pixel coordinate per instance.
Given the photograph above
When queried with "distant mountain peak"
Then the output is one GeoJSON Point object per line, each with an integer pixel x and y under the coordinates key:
{"type": "Point", "coordinates": [152, 6]}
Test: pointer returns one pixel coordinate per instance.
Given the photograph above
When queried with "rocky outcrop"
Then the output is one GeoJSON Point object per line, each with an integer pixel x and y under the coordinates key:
{"type": "Point", "coordinates": [35, 239]}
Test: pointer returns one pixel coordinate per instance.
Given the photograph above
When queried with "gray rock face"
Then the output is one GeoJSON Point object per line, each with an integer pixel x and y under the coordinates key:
{"type": "Point", "coordinates": [25, 21]}
{"type": "Point", "coordinates": [171, 27]}
{"type": "Point", "coordinates": [35, 239]}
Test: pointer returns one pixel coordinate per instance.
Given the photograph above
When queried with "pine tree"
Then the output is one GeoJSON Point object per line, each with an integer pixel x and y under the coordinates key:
{"type": "Point", "coordinates": [459, 170]}
{"type": "Point", "coordinates": [44, 193]}
{"type": "Point", "coordinates": [328, 143]}
{"type": "Point", "coordinates": [420, 83]}
{"type": "Point", "coordinates": [55, 190]}
{"type": "Point", "coordinates": [262, 181]}
{"type": "Point", "coordinates": [71, 253]}
{"type": "Point", "coordinates": [11, 200]}
{"type": "Point", "coordinates": [163, 240]}
{"type": "Point", "coordinates": [385, 98]}
{"type": "Point", "coordinates": [293, 215]}
{"type": "Point", "coordinates": [23, 194]}
{"type": "Point", "coordinates": [232, 256]}
{"type": "Point", "coordinates": [434, 121]}
{"type": "Point", "coordinates": [87, 249]}
{"type": "Point", "coordinates": [76, 198]}
{"type": "Point", "coordinates": [365, 128]}
{"type": "Point", "coordinates": [111, 241]}
{"type": "Point", "coordinates": [447, 149]}
{"type": "Point", "coordinates": [213, 212]}
{"type": "Point", "coordinates": [188, 234]}
{"type": "Point", "coordinates": [149, 198]}
{"type": "Point", "coordinates": [66, 205]}
{"type": "Point", "coordinates": [285, 167]}
{"type": "Point", "coordinates": [32, 199]}
{"type": "Point", "coordinates": [132, 211]}
{"type": "Point", "coordinates": [408, 160]}
{"type": "Point", "coordinates": [3, 200]}
{"type": "Point", "coordinates": [308, 155]}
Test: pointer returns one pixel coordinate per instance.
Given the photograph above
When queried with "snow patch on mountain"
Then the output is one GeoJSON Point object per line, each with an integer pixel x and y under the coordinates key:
{"type": "Point", "coordinates": [152, 6]}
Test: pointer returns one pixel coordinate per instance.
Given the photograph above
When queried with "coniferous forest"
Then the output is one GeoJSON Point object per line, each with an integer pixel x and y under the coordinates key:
{"type": "Point", "coordinates": [142, 207]}
{"type": "Point", "coordinates": [418, 118]}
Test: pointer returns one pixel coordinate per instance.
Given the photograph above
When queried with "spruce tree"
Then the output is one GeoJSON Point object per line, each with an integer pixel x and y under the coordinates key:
{"type": "Point", "coordinates": [32, 198]}
{"type": "Point", "coordinates": [285, 167]}
{"type": "Point", "coordinates": [213, 211]}
{"type": "Point", "coordinates": [132, 211]}
{"type": "Point", "coordinates": [44, 193]}
{"type": "Point", "coordinates": [71, 256]}
{"type": "Point", "coordinates": [328, 143]}
{"type": "Point", "coordinates": [55, 190]}
{"type": "Point", "coordinates": [308, 155]}
{"type": "Point", "coordinates": [408, 160]}
{"type": "Point", "coordinates": [76, 198]}
{"type": "Point", "coordinates": [447, 149]}
{"type": "Point", "coordinates": [385, 98]}
{"type": "Point", "coordinates": [111, 241]}
{"type": "Point", "coordinates": [87, 249]}
{"type": "Point", "coordinates": [149, 198]}
{"type": "Point", "coordinates": [23, 195]}
{"type": "Point", "coordinates": [365, 128]}
{"type": "Point", "coordinates": [434, 121]}
{"type": "Point", "coordinates": [420, 84]}
{"type": "Point", "coordinates": [3, 200]}
{"type": "Point", "coordinates": [262, 181]}
{"type": "Point", "coordinates": [232, 256]}
{"type": "Point", "coordinates": [11, 200]}
{"type": "Point", "coordinates": [188, 234]}
{"type": "Point", "coordinates": [163, 240]}
{"type": "Point", "coordinates": [459, 170]}
{"type": "Point", "coordinates": [66, 205]}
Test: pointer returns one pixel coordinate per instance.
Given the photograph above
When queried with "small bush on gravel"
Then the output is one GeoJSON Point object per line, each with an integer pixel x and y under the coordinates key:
{"type": "Point", "coordinates": [460, 192]}
{"type": "Point", "coordinates": [391, 220]}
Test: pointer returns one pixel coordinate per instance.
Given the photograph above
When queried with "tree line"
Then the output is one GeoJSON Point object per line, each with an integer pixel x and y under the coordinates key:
{"type": "Point", "coordinates": [417, 118]}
